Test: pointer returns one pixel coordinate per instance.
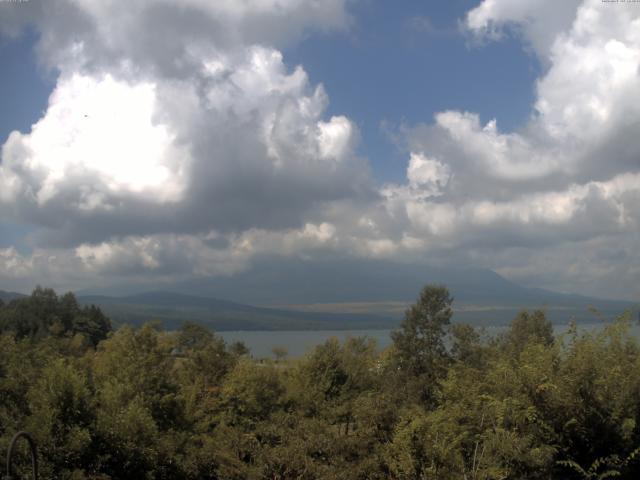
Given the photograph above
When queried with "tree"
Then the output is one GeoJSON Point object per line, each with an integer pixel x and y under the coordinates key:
{"type": "Point", "coordinates": [529, 328]}
{"type": "Point", "coordinates": [44, 314]}
{"type": "Point", "coordinates": [193, 336]}
{"type": "Point", "coordinates": [251, 393]}
{"type": "Point", "coordinates": [62, 418]}
{"type": "Point", "coordinates": [238, 349]}
{"type": "Point", "coordinates": [280, 353]}
{"type": "Point", "coordinates": [466, 345]}
{"type": "Point", "coordinates": [419, 343]}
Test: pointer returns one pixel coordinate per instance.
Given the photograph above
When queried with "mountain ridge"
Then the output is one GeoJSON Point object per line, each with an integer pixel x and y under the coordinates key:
{"type": "Point", "coordinates": [273, 295]}
{"type": "Point", "coordinates": [6, 296]}
{"type": "Point", "coordinates": [296, 281]}
{"type": "Point", "coordinates": [172, 309]}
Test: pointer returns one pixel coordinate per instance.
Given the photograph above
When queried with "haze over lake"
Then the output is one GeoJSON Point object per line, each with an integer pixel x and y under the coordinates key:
{"type": "Point", "coordinates": [298, 343]}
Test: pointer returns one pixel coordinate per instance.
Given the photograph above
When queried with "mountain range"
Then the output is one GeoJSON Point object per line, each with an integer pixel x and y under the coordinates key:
{"type": "Point", "coordinates": [8, 296]}
{"type": "Point", "coordinates": [172, 309]}
{"type": "Point", "coordinates": [294, 294]}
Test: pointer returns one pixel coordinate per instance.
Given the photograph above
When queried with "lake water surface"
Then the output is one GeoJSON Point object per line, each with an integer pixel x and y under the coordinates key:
{"type": "Point", "coordinates": [298, 343]}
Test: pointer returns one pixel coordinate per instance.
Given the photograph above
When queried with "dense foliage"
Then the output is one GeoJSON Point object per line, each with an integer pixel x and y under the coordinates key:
{"type": "Point", "coordinates": [442, 403]}
{"type": "Point", "coordinates": [45, 314]}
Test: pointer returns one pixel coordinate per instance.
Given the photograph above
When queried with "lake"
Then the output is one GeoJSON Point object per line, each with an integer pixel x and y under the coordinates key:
{"type": "Point", "coordinates": [298, 343]}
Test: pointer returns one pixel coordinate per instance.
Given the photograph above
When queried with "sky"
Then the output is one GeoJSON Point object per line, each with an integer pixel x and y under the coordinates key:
{"type": "Point", "coordinates": [158, 141]}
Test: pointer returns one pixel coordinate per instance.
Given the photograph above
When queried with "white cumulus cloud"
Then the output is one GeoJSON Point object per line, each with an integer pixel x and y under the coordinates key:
{"type": "Point", "coordinates": [177, 142]}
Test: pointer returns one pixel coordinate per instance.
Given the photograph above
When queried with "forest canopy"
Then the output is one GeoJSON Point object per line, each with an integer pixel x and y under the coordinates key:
{"type": "Point", "coordinates": [443, 402]}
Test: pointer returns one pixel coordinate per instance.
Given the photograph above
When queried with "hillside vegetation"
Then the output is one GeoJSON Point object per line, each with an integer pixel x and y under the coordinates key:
{"type": "Point", "coordinates": [143, 403]}
{"type": "Point", "coordinates": [173, 309]}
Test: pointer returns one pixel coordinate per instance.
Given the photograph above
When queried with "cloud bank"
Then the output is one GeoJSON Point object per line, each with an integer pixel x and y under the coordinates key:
{"type": "Point", "coordinates": [177, 143]}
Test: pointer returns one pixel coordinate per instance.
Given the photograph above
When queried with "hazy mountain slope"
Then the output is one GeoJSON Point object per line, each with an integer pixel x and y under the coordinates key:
{"type": "Point", "coordinates": [8, 296]}
{"type": "Point", "coordinates": [480, 297]}
{"type": "Point", "coordinates": [173, 309]}
{"type": "Point", "coordinates": [289, 281]}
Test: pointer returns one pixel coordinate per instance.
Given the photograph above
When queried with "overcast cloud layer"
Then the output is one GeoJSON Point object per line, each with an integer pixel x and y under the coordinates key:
{"type": "Point", "coordinates": [177, 144]}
